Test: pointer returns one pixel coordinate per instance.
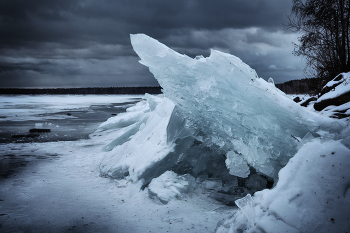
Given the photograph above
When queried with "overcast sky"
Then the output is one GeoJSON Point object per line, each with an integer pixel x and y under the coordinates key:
{"type": "Point", "coordinates": [86, 43]}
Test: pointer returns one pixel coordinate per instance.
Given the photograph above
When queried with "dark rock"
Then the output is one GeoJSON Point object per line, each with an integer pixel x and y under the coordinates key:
{"type": "Point", "coordinates": [225, 198]}
{"type": "Point", "coordinates": [39, 130]}
{"type": "Point", "coordinates": [18, 136]}
{"type": "Point", "coordinates": [69, 114]}
{"type": "Point", "coordinates": [327, 89]}
{"type": "Point", "coordinates": [31, 135]}
{"type": "Point", "coordinates": [340, 114]}
{"type": "Point", "coordinates": [306, 102]}
{"type": "Point", "coordinates": [297, 99]}
{"type": "Point", "coordinates": [337, 101]}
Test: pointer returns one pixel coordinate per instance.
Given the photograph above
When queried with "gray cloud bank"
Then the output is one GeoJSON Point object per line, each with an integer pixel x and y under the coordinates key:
{"type": "Point", "coordinates": [85, 43]}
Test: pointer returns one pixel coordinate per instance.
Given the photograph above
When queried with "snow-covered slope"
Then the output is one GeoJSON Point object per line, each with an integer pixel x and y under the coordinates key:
{"type": "Point", "coordinates": [333, 100]}
{"type": "Point", "coordinates": [335, 97]}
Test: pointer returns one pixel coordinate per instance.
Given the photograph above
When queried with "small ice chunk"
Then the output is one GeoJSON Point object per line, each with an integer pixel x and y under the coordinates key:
{"type": "Point", "coordinates": [213, 184]}
{"type": "Point", "coordinates": [237, 165]}
{"type": "Point", "coordinates": [170, 186]}
{"type": "Point", "coordinates": [271, 81]}
{"type": "Point", "coordinates": [198, 57]}
{"type": "Point", "coordinates": [38, 124]}
{"type": "Point", "coordinates": [246, 206]}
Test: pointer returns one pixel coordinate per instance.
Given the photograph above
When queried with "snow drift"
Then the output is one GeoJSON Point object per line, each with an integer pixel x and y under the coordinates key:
{"type": "Point", "coordinates": [312, 195]}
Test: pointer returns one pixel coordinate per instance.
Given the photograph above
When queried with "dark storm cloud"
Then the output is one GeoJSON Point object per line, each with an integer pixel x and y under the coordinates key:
{"type": "Point", "coordinates": [54, 21]}
{"type": "Point", "coordinates": [57, 43]}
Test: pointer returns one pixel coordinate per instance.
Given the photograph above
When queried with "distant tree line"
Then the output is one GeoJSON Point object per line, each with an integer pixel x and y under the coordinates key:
{"type": "Point", "coordinates": [302, 86]}
{"type": "Point", "coordinates": [325, 42]}
{"type": "Point", "coordinates": [82, 91]}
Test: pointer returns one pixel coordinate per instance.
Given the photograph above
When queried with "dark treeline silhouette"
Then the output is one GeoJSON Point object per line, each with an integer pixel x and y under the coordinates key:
{"type": "Point", "coordinates": [301, 86]}
{"type": "Point", "coordinates": [82, 91]}
{"type": "Point", "coordinates": [325, 39]}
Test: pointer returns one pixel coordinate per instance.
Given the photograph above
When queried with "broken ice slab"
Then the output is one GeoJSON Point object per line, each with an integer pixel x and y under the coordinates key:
{"type": "Point", "coordinates": [170, 186]}
{"type": "Point", "coordinates": [212, 184]}
{"type": "Point", "coordinates": [246, 206]}
{"type": "Point", "coordinates": [147, 152]}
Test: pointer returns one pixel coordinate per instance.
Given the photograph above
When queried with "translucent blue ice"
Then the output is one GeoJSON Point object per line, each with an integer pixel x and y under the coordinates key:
{"type": "Point", "coordinates": [227, 107]}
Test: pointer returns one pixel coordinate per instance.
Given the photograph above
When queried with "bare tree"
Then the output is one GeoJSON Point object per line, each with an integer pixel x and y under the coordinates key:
{"type": "Point", "coordinates": [324, 25]}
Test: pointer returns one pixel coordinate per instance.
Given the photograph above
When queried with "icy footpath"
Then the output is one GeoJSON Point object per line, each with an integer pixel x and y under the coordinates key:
{"type": "Point", "coordinates": [312, 195]}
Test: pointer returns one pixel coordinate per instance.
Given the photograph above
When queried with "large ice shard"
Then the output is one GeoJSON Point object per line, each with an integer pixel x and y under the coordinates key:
{"type": "Point", "coordinates": [227, 107]}
{"type": "Point", "coordinates": [217, 119]}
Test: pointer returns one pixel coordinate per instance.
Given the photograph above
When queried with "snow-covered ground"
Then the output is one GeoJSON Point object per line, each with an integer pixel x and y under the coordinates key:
{"type": "Point", "coordinates": [57, 187]}
{"type": "Point", "coordinates": [65, 193]}
{"type": "Point", "coordinates": [301, 96]}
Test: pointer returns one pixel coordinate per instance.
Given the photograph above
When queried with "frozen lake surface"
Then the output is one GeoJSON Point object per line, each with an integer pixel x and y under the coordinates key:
{"type": "Point", "coordinates": [53, 184]}
{"type": "Point", "coordinates": [68, 117]}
